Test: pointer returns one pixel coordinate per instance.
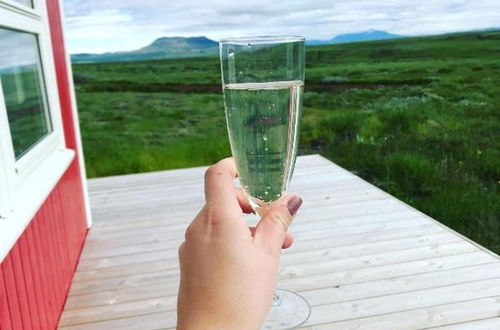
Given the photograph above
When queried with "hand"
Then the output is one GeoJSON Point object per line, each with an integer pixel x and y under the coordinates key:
{"type": "Point", "coordinates": [228, 271]}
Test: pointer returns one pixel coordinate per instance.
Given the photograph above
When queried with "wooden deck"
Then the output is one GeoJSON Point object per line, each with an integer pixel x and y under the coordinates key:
{"type": "Point", "coordinates": [363, 259]}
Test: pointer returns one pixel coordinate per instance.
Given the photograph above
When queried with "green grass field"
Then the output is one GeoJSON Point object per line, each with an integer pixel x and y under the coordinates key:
{"type": "Point", "coordinates": [417, 117]}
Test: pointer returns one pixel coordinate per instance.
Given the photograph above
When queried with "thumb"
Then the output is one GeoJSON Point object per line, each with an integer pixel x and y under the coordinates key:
{"type": "Point", "coordinates": [271, 229]}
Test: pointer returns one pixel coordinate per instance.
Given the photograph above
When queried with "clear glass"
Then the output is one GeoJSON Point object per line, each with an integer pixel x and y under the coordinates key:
{"type": "Point", "coordinates": [263, 82]}
{"type": "Point", "coordinates": [23, 88]}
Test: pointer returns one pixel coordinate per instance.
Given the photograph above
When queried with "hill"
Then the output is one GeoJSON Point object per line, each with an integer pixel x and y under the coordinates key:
{"type": "Point", "coordinates": [369, 35]}
{"type": "Point", "coordinates": [173, 47]}
{"type": "Point", "coordinates": [180, 47]}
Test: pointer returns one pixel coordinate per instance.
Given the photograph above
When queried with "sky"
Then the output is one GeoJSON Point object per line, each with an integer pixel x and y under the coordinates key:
{"type": "Point", "coordinates": [24, 53]}
{"type": "Point", "coordinates": [96, 26]}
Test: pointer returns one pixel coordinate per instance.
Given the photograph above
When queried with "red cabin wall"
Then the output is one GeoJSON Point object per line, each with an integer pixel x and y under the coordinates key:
{"type": "Point", "coordinates": [36, 275]}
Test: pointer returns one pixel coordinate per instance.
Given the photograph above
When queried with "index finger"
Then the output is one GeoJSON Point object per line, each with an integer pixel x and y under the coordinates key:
{"type": "Point", "coordinates": [219, 186]}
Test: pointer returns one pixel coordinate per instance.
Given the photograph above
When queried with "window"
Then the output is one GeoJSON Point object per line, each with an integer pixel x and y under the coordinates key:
{"type": "Point", "coordinates": [33, 156]}
{"type": "Point", "coordinates": [23, 88]}
{"type": "Point", "coordinates": [28, 3]}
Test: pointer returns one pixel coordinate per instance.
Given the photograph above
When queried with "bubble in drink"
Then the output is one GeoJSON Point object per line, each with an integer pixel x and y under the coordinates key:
{"type": "Point", "coordinates": [262, 120]}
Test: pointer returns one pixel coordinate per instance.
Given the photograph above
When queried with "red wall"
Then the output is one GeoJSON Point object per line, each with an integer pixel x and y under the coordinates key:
{"type": "Point", "coordinates": [36, 275]}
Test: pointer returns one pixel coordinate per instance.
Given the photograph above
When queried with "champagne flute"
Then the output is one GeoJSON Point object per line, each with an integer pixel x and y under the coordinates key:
{"type": "Point", "coordinates": [263, 82]}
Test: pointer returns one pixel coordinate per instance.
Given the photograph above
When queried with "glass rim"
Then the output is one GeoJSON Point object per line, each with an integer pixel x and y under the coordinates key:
{"type": "Point", "coordinates": [261, 40]}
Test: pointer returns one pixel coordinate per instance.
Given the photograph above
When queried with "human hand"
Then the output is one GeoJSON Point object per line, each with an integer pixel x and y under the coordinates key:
{"type": "Point", "coordinates": [228, 271]}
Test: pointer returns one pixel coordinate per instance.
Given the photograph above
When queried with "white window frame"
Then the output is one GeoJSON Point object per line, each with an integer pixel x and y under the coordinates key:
{"type": "Point", "coordinates": [25, 183]}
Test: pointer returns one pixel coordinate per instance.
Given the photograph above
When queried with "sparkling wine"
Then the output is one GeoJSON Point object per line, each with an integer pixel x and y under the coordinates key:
{"type": "Point", "coordinates": [262, 121]}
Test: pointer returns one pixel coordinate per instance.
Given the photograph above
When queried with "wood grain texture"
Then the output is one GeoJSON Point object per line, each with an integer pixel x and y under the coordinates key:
{"type": "Point", "coordinates": [362, 258]}
{"type": "Point", "coordinates": [5, 319]}
{"type": "Point", "coordinates": [37, 273]}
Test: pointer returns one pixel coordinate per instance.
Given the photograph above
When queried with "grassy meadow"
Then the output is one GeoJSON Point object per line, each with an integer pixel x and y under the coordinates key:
{"type": "Point", "coordinates": [417, 117]}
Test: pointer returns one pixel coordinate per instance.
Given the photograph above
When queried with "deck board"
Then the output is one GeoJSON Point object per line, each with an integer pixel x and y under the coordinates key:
{"type": "Point", "coordinates": [362, 258]}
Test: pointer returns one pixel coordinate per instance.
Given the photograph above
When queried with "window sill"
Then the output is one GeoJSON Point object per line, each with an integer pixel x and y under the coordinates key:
{"type": "Point", "coordinates": [30, 195]}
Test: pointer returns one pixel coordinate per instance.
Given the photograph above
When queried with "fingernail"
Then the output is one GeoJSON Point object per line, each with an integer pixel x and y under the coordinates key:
{"type": "Point", "coordinates": [294, 204]}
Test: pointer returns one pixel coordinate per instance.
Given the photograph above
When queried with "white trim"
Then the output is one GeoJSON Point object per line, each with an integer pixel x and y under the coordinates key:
{"type": "Point", "coordinates": [39, 151]}
{"type": "Point", "coordinates": [76, 123]}
{"type": "Point", "coordinates": [20, 21]}
{"type": "Point", "coordinates": [30, 196]}
{"type": "Point", "coordinates": [7, 159]}
{"type": "Point", "coordinates": [6, 163]}
{"type": "Point", "coordinates": [20, 8]}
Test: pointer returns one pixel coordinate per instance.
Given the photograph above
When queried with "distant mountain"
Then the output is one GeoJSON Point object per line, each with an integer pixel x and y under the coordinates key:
{"type": "Point", "coordinates": [369, 35]}
{"type": "Point", "coordinates": [179, 45]}
{"type": "Point", "coordinates": [175, 47]}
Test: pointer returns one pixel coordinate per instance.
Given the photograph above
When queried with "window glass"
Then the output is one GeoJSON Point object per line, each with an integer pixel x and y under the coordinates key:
{"type": "Point", "coordinates": [23, 88]}
{"type": "Point", "coordinates": [28, 3]}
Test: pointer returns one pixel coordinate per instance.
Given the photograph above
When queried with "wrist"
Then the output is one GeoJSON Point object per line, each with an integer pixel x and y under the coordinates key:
{"type": "Point", "coordinates": [213, 325]}
{"type": "Point", "coordinates": [214, 321]}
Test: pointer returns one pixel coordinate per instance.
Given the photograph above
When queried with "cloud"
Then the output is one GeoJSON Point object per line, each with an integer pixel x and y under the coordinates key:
{"type": "Point", "coordinates": [105, 17]}
{"type": "Point", "coordinates": [24, 53]}
{"type": "Point", "coordinates": [110, 25]}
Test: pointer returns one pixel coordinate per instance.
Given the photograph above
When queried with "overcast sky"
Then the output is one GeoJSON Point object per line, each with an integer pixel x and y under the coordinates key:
{"type": "Point", "coordinates": [109, 25]}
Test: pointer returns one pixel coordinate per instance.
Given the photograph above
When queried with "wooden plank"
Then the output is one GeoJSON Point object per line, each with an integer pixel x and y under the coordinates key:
{"type": "Point", "coordinates": [300, 224]}
{"type": "Point", "coordinates": [304, 164]}
{"type": "Point", "coordinates": [38, 278]}
{"type": "Point", "coordinates": [419, 318]}
{"type": "Point", "coordinates": [57, 259]}
{"type": "Point", "coordinates": [371, 260]}
{"type": "Point", "coordinates": [289, 270]}
{"type": "Point", "coordinates": [175, 193]}
{"type": "Point", "coordinates": [150, 198]}
{"type": "Point", "coordinates": [312, 241]}
{"type": "Point", "coordinates": [22, 294]}
{"type": "Point", "coordinates": [124, 295]}
{"type": "Point", "coordinates": [323, 211]}
{"type": "Point", "coordinates": [117, 311]}
{"type": "Point", "coordinates": [385, 287]}
{"type": "Point", "coordinates": [341, 291]}
{"type": "Point", "coordinates": [162, 265]}
{"type": "Point", "coordinates": [328, 253]}
{"type": "Point", "coordinates": [52, 263]}
{"type": "Point", "coordinates": [484, 324]}
{"type": "Point", "coordinates": [165, 290]}
{"type": "Point", "coordinates": [119, 283]}
{"type": "Point", "coordinates": [11, 289]}
{"type": "Point", "coordinates": [391, 271]}
{"type": "Point", "coordinates": [324, 250]}
{"type": "Point", "coordinates": [145, 321]}
{"type": "Point", "coordinates": [31, 294]}
{"type": "Point", "coordinates": [164, 218]}
{"type": "Point", "coordinates": [94, 246]}
{"type": "Point", "coordinates": [5, 320]}
{"type": "Point", "coordinates": [190, 186]}
{"type": "Point", "coordinates": [128, 260]}
{"type": "Point", "coordinates": [406, 227]}
{"type": "Point", "coordinates": [122, 271]}
{"type": "Point", "coordinates": [44, 266]}
{"type": "Point", "coordinates": [62, 241]}
{"type": "Point", "coordinates": [363, 275]}
{"type": "Point", "coordinates": [358, 309]}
